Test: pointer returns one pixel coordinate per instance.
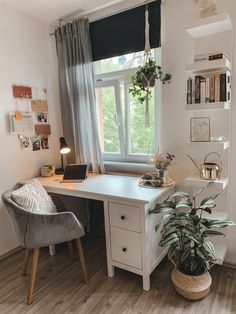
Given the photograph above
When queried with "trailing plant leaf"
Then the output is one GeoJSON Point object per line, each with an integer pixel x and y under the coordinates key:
{"type": "Point", "coordinates": [212, 233]}
{"type": "Point", "coordinates": [210, 249]}
{"type": "Point", "coordinates": [220, 223]}
{"type": "Point", "coordinates": [163, 207]}
{"type": "Point", "coordinates": [172, 238]}
{"type": "Point", "coordinates": [162, 220]}
{"type": "Point", "coordinates": [209, 201]}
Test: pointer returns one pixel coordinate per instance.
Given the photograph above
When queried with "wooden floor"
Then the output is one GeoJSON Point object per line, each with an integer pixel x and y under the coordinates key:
{"type": "Point", "coordinates": [60, 289]}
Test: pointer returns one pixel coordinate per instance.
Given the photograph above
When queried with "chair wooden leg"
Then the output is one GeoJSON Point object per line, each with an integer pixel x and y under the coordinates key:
{"type": "Point", "coordinates": [70, 249]}
{"type": "Point", "coordinates": [82, 261]}
{"type": "Point", "coordinates": [26, 262]}
{"type": "Point", "coordinates": [33, 275]}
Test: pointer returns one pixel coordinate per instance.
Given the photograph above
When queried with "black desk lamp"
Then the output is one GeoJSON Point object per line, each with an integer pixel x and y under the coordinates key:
{"type": "Point", "coordinates": [64, 149]}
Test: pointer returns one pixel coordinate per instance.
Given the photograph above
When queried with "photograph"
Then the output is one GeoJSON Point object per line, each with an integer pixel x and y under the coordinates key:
{"type": "Point", "coordinates": [200, 129]}
{"type": "Point", "coordinates": [25, 142]}
{"type": "Point", "coordinates": [35, 143]}
{"type": "Point", "coordinates": [42, 117]}
{"type": "Point", "coordinates": [44, 142]}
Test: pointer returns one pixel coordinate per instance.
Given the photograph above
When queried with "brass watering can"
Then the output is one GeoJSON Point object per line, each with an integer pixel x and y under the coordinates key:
{"type": "Point", "coordinates": [209, 170]}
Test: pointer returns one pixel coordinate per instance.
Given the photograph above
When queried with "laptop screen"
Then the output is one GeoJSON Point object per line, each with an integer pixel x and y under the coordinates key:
{"type": "Point", "coordinates": [75, 172]}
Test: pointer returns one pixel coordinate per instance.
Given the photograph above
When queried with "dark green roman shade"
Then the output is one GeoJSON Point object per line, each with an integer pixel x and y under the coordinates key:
{"type": "Point", "coordinates": [124, 33]}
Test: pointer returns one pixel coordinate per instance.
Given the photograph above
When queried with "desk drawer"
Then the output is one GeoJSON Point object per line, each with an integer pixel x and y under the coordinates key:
{"type": "Point", "coordinates": [126, 247]}
{"type": "Point", "coordinates": [124, 216]}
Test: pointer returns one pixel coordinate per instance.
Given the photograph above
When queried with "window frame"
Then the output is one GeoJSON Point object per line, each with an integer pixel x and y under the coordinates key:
{"type": "Point", "coordinates": [114, 79]}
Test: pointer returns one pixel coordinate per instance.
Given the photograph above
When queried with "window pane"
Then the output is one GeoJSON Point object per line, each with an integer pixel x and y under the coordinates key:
{"type": "Point", "coordinates": [142, 139]}
{"type": "Point", "coordinates": [128, 61]}
{"type": "Point", "coordinates": [109, 136]}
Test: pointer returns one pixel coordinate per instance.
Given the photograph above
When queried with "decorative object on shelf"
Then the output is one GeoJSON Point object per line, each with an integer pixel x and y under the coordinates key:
{"type": "Point", "coordinates": [218, 138]}
{"type": "Point", "coordinates": [147, 74]}
{"type": "Point", "coordinates": [48, 171]}
{"type": "Point", "coordinates": [152, 180]}
{"type": "Point", "coordinates": [64, 149]}
{"type": "Point", "coordinates": [25, 124]}
{"type": "Point", "coordinates": [200, 129]}
{"type": "Point", "coordinates": [206, 8]}
{"type": "Point", "coordinates": [161, 162]}
{"type": "Point", "coordinates": [35, 143]}
{"type": "Point", "coordinates": [42, 129]}
{"type": "Point", "coordinates": [186, 234]}
{"type": "Point", "coordinates": [209, 170]}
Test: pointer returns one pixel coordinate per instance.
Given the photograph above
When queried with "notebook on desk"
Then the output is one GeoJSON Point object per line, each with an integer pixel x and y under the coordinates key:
{"type": "Point", "coordinates": [74, 173]}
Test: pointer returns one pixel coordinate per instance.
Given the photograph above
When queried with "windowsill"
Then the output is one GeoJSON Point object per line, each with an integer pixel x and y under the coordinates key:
{"type": "Point", "coordinates": [131, 168]}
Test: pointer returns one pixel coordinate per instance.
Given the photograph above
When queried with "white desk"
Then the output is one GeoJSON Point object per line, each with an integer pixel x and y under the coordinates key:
{"type": "Point", "coordinates": [131, 239]}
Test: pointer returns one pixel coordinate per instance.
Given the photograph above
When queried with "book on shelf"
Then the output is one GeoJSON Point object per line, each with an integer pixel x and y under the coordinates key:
{"type": "Point", "coordinates": [211, 88]}
{"type": "Point", "coordinates": [209, 57]}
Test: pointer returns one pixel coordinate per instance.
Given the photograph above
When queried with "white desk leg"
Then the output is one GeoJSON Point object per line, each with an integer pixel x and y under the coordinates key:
{"type": "Point", "coordinates": [52, 250]}
{"type": "Point", "coordinates": [110, 267]}
{"type": "Point", "coordinates": [146, 282]}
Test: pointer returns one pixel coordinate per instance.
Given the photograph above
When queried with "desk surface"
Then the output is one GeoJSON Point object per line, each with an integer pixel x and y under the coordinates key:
{"type": "Point", "coordinates": [102, 186]}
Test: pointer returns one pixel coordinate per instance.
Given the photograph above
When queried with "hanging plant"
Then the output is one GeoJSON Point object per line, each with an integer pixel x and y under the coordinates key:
{"type": "Point", "coordinates": [144, 79]}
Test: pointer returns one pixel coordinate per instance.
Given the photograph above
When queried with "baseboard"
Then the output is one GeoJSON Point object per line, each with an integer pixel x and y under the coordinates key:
{"type": "Point", "coordinates": [230, 260]}
{"type": "Point", "coordinates": [15, 250]}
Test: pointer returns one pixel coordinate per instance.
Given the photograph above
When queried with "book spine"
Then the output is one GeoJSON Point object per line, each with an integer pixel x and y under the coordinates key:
{"type": "Point", "coordinates": [217, 87]}
{"type": "Point", "coordinates": [197, 89]}
{"type": "Point", "coordinates": [203, 90]}
{"type": "Point", "coordinates": [189, 90]}
{"type": "Point", "coordinates": [212, 89]}
{"type": "Point", "coordinates": [216, 56]}
{"type": "Point", "coordinates": [225, 86]}
{"type": "Point", "coordinates": [193, 91]}
{"type": "Point", "coordinates": [223, 93]}
{"type": "Point", "coordinates": [207, 89]}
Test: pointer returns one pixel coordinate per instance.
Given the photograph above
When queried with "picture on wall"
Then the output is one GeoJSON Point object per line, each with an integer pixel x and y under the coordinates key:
{"type": "Point", "coordinates": [44, 142]}
{"type": "Point", "coordinates": [35, 143]}
{"type": "Point", "coordinates": [42, 117]}
{"type": "Point", "coordinates": [200, 129]}
{"type": "Point", "coordinates": [25, 142]}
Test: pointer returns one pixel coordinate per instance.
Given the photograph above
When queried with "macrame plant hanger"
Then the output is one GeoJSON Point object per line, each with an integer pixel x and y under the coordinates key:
{"type": "Point", "coordinates": [147, 55]}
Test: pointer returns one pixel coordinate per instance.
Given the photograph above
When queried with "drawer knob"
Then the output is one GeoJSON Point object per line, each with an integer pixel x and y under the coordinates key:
{"type": "Point", "coordinates": [124, 249]}
{"type": "Point", "coordinates": [122, 217]}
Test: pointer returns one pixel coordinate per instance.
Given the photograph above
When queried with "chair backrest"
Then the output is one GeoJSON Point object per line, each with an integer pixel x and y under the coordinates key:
{"type": "Point", "coordinates": [19, 216]}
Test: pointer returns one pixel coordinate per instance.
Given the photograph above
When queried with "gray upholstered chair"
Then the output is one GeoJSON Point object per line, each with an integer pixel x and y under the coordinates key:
{"type": "Point", "coordinates": [34, 231]}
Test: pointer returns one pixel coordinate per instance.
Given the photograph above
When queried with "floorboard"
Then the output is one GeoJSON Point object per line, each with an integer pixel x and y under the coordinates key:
{"type": "Point", "coordinates": [60, 288]}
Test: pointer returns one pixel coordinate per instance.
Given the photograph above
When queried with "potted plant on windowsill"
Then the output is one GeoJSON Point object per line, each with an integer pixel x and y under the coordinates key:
{"type": "Point", "coordinates": [186, 233]}
{"type": "Point", "coordinates": [145, 78]}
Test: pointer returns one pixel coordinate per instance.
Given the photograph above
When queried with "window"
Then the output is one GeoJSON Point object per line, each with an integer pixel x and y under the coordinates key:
{"type": "Point", "coordinates": [123, 135]}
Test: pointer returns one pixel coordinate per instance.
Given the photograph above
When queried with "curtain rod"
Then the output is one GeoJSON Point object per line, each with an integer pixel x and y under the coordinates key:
{"type": "Point", "coordinates": [105, 16]}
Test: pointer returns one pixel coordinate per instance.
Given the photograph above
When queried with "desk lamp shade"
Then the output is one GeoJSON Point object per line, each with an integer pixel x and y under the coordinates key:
{"type": "Point", "coordinates": [64, 148]}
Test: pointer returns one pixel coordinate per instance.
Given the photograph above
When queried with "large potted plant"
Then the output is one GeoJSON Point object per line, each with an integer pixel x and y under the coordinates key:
{"type": "Point", "coordinates": [186, 233]}
{"type": "Point", "coordinates": [143, 79]}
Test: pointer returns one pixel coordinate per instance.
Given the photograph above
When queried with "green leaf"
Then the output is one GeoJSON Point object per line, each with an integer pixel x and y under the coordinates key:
{"type": "Point", "coordinates": [163, 207]}
{"type": "Point", "coordinates": [220, 223]}
{"type": "Point", "coordinates": [162, 220]}
{"type": "Point", "coordinates": [212, 233]}
{"type": "Point", "coordinates": [180, 194]}
{"type": "Point", "coordinates": [186, 254]}
{"type": "Point", "coordinates": [170, 239]}
{"type": "Point", "coordinates": [210, 248]}
{"type": "Point", "coordinates": [209, 199]}
{"type": "Point", "coordinates": [185, 202]}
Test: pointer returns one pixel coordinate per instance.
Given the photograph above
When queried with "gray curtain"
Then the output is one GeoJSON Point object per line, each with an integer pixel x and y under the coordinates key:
{"type": "Point", "coordinates": [77, 94]}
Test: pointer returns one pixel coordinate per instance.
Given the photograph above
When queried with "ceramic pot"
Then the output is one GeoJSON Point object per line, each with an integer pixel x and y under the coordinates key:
{"type": "Point", "coordinates": [191, 287]}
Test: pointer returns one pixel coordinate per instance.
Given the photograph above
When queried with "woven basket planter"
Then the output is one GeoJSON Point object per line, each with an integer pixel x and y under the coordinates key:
{"type": "Point", "coordinates": [191, 287]}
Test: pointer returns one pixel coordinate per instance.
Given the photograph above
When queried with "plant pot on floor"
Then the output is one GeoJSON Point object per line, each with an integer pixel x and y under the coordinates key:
{"type": "Point", "coordinates": [191, 287]}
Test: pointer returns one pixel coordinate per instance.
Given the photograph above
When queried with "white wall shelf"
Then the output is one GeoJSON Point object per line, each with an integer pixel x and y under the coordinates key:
{"type": "Point", "coordinates": [221, 251]}
{"type": "Point", "coordinates": [195, 180]}
{"type": "Point", "coordinates": [209, 106]}
{"type": "Point", "coordinates": [209, 66]}
{"type": "Point", "coordinates": [210, 26]}
{"type": "Point", "coordinates": [206, 145]}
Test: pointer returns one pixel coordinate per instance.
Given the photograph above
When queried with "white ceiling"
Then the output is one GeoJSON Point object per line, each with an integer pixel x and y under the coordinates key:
{"type": "Point", "coordinates": [50, 11]}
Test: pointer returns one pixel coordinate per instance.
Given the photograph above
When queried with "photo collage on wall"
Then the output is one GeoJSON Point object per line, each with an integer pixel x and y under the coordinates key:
{"type": "Point", "coordinates": [30, 120]}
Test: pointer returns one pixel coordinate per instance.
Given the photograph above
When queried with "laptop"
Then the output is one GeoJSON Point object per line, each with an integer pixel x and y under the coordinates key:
{"type": "Point", "coordinates": [74, 173]}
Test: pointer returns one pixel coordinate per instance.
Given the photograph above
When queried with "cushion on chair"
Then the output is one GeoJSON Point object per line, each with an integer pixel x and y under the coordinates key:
{"type": "Point", "coordinates": [33, 197]}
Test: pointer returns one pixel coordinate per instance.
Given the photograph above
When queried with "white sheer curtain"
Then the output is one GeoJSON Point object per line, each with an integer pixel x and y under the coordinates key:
{"type": "Point", "coordinates": [77, 94]}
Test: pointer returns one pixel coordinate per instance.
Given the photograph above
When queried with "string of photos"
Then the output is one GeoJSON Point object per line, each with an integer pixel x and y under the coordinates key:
{"type": "Point", "coordinates": [30, 119]}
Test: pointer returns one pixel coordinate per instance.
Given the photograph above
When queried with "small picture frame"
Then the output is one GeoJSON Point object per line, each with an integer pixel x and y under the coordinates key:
{"type": "Point", "coordinates": [200, 129]}
{"type": "Point", "coordinates": [42, 117]}
{"type": "Point", "coordinates": [35, 143]}
{"type": "Point", "coordinates": [25, 142]}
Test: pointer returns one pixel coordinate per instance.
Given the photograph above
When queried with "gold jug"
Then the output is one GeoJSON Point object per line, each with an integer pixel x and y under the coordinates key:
{"type": "Point", "coordinates": [209, 170]}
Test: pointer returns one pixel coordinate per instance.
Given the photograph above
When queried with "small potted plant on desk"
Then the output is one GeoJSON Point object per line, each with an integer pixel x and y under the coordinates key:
{"type": "Point", "coordinates": [187, 233]}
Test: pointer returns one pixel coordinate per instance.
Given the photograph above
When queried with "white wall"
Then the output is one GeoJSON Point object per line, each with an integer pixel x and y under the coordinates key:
{"type": "Point", "coordinates": [177, 52]}
{"type": "Point", "coordinates": [27, 56]}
